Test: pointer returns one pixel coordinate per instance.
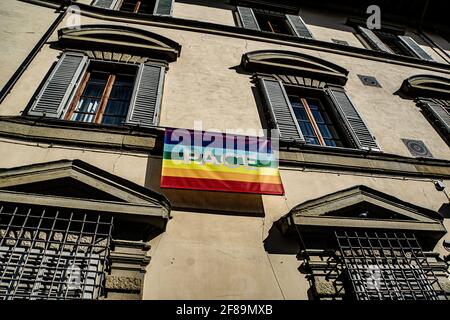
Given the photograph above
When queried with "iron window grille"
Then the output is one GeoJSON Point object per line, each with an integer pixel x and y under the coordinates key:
{"type": "Point", "coordinates": [387, 266]}
{"type": "Point", "coordinates": [52, 253]}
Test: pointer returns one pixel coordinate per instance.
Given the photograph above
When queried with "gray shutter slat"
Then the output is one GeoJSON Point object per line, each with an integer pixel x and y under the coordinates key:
{"type": "Point", "coordinates": [281, 111]}
{"type": "Point", "coordinates": [415, 48]}
{"type": "Point", "coordinates": [163, 7]}
{"type": "Point", "coordinates": [374, 41]}
{"type": "Point", "coordinates": [107, 4]}
{"type": "Point", "coordinates": [299, 26]}
{"type": "Point", "coordinates": [146, 102]}
{"type": "Point", "coordinates": [58, 89]}
{"type": "Point", "coordinates": [438, 112]}
{"type": "Point", "coordinates": [354, 123]}
{"type": "Point", "coordinates": [248, 18]}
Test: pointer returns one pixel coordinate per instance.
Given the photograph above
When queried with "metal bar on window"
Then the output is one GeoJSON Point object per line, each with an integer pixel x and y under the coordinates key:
{"type": "Point", "coordinates": [42, 249]}
{"type": "Point", "coordinates": [387, 266]}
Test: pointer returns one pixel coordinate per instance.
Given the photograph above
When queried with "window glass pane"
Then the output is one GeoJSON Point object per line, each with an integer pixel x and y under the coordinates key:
{"type": "Point", "coordinates": [119, 100]}
{"type": "Point", "coordinates": [324, 123]}
{"type": "Point", "coordinates": [87, 106]}
{"type": "Point", "coordinates": [316, 116]}
{"type": "Point", "coordinates": [114, 100]}
{"type": "Point", "coordinates": [303, 120]}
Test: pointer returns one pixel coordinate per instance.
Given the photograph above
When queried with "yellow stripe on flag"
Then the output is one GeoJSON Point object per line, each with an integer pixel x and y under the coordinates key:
{"type": "Point", "coordinates": [179, 164]}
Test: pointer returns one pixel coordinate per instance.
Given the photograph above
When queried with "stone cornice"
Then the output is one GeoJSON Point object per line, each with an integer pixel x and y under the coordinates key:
{"type": "Point", "coordinates": [86, 135]}
{"type": "Point", "coordinates": [151, 141]}
{"type": "Point", "coordinates": [360, 161]}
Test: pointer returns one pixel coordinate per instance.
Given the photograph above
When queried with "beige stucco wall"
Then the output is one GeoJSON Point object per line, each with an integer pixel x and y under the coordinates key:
{"type": "Point", "coordinates": [202, 85]}
{"type": "Point", "coordinates": [324, 25]}
{"type": "Point", "coordinates": [221, 256]}
{"type": "Point", "coordinates": [20, 33]}
{"type": "Point", "coordinates": [220, 14]}
{"type": "Point", "coordinates": [213, 256]}
{"type": "Point", "coordinates": [128, 165]}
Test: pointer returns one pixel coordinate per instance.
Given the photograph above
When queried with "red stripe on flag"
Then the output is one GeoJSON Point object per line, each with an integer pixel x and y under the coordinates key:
{"type": "Point", "coordinates": [221, 185]}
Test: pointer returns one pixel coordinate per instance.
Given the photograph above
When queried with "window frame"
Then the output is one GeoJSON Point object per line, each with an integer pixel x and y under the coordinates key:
{"type": "Point", "coordinates": [261, 13]}
{"type": "Point", "coordinates": [73, 102]}
{"type": "Point", "coordinates": [294, 23]}
{"type": "Point", "coordinates": [120, 3]}
{"type": "Point", "coordinates": [409, 47]}
{"type": "Point", "coordinates": [304, 93]}
{"type": "Point", "coordinates": [145, 102]}
{"type": "Point", "coordinates": [383, 34]}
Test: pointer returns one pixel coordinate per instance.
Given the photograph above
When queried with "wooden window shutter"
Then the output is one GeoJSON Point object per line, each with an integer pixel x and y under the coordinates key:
{"type": "Point", "coordinates": [58, 89]}
{"type": "Point", "coordinates": [298, 25]}
{"type": "Point", "coordinates": [415, 48]}
{"type": "Point", "coordinates": [248, 18]}
{"type": "Point", "coordinates": [106, 4]}
{"type": "Point", "coordinates": [281, 111]}
{"type": "Point", "coordinates": [146, 101]}
{"type": "Point", "coordinates": [163, 7]}
{"type": "Point", "coordinates": [373, 40]}
{"type": "Point", "coordinates": [354, 124]}
{"type": "Point", "coordinates": [437, 111]}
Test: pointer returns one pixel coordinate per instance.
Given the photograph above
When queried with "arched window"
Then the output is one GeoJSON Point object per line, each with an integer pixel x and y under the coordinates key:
{"type": "Point", "coordinates": [432, 95]}
{"type": "Point", "coordinates": [306, 101]}
{"type": "Point", "coordinates": [110, 75]}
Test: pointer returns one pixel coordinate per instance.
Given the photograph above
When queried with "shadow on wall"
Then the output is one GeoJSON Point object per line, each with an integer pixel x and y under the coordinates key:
{"type": "Point", "coordinates": [204, 201]}
{"type": "Point", "coordinates": [277, 243]}
{"type": "Point", "coordinates": [257, 96]}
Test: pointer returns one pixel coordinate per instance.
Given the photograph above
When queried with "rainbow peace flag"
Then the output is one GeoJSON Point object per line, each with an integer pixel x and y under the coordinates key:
{"type": "Point", "coordinates": [201, 160]}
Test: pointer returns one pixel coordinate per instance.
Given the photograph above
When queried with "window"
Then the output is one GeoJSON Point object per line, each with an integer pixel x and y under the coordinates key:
{"type": "Point", "coordinates": [394, 43]}
{"type": "Point", "coordinates": [138, 6]}
{"type": "Point", "coordinates": [315, 121]}
{"type": "Point", "coordinates": [156, 7]}
{"type": "Point", "coordinates": [386, 266]}
{"type": "Point", "coordinates": [438, 112]}
{"type": "Point", "coordinates": [324, 117]}
{"type": "Point", "coordinates": [391, 42]}
{"type": "Point", "coordinates": [269, 21]}
{"type": "Point", "coordinates": [305, 100]}
{"type": "Point", "coordinates": [50, 253]}
{"type": "Point", "coordinates": [94, 91]}
{"type": "Point", "coordinates": [272, 23]}
{"type": "Point", "coordinates": [103, 97]}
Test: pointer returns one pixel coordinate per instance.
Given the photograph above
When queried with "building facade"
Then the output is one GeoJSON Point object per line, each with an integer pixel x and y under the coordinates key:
{"type": "Point", "coordinates": [363, 117]}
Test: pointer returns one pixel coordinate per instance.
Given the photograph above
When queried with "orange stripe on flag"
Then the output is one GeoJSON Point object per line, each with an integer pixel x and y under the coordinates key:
{"type": "Point", "coordinates": [201, 174]}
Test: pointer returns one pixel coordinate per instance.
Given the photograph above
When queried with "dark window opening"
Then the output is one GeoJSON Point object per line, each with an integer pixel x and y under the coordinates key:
{"type": "Point", "coordinates": [393, 42]}
{"type": "Point", "coordinates": [138, 6]}
{"type": "Point", "coordinates": [53, 253]}
{"type": "Point", "coordinates": [272, 23]}
{"type": "Point", "coordinates": [104, 96]}
{"type": "Point", "coordinates": [316, 121]}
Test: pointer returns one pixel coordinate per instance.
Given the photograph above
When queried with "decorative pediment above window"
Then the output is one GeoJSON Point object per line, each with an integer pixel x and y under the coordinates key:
{"type": "Point", "coordinates": [76, 185]}
{"type": "Point", "coordinates": [361, 207]}
{"type": "Point", "coordinates": [119, 40]}
{"type": "Point", "coordinates": [426, 86]}
{"type": "Point", "coordinates": [294, 64]}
